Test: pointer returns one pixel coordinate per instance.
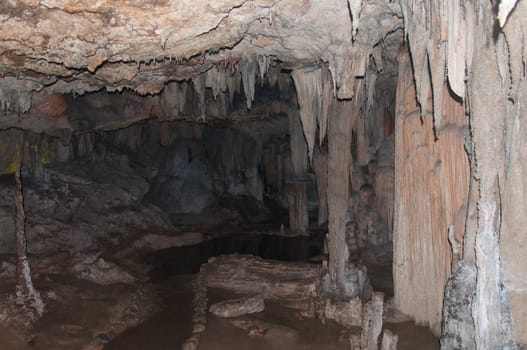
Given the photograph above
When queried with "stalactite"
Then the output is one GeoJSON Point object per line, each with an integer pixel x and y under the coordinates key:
{"type": "Point", "coordinates": [284, 81]}
{"type": "Point", "coordinates": [505, 8]}
{"type": "Point", "coordinates": [361, 125]}
{"type": "Point", "coordinates": [173, 99]}
{"type": "Point", "coordinates": [340, 64]}
{"type": "Point", "coordinates": [355, 8]}
{"type": "Point", "coordinates": [327, 99]}
{"type": "Point", "coordinates": [416, 26]}
{"type": "Point", "coordinates": [264, 62]}
{"type": "Point", "coordinates": [456, 47]}
{"type": "Point", "coordinates": [14, 96]}
{"type": "Point", "coordinates": [298, 145]}
{"type": "Point", "coordinates": [216, 80]}
{"type": "Point", "coordinates": [272, 75]}
{"type": "Point", "coordinates": [248, 69]}
{"type": "Point", "coordinates": [437, 70]}
{"type": "Point", "coordinates": [296, 184]}
{"type": "Point", "coordinates": [363, 141]}
{"type": "Point", "coordinates": [320, 166]}
{"type": "Point", "coordinates": [199, 86]}
{"type": "Point", "coordinates": [308, 87]}
{"type": "Point", "coordinates": [233, 82]}
{"type": "Point", "coordinates": [371, 78]}
{"type": "Point", "coordinates": [361, 56]}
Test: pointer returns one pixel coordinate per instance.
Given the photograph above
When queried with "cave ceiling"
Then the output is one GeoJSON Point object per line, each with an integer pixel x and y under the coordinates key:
{"type": "Point", "coordinates": [74, 47]}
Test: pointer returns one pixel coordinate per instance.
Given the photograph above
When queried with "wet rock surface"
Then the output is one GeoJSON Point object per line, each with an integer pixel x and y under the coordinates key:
{"type": "Point", "coordinates": [238, 307]}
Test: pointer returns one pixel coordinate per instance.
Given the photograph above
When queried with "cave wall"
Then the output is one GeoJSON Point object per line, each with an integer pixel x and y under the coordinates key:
{"type": "Point", "coordinates": [431, 189]}
{"type": "Point", "coordinates": [110, 186]}
{"type": "Point", "coordinates": [482, 46]}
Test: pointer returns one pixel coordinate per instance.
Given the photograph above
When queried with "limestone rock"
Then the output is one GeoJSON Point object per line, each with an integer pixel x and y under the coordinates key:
{"type": "Point", "coordinates": [238, 307]}
{"type": "Point", "coordinates": [141, 46]}
{"type": "Point", "coordinates": [389, 340]}
{"type": "Point", "coordinates": [291, 284]}
{"type": "Point", "coordinates": [458, 324]}
{"type": "Point", "coordinates": [347, 313]}
{"type": "Point", "coordinates": [103, 272]}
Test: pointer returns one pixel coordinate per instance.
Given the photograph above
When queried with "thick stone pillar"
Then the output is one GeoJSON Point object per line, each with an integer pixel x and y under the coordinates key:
{"type": "Point", "coordinates": [431, 191]}
{"type": "Point", "coordinates": [339, 165]}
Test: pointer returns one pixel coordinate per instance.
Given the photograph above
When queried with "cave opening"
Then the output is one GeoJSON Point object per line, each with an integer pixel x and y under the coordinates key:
{"type": "Point", "coordinates": [203, 176]}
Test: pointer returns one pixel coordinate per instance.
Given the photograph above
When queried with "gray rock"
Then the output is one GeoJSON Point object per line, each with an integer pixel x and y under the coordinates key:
{"type": "Point", "coordinates": [458, 324]}
{"type": "Point", "coordinates": [238, 307]}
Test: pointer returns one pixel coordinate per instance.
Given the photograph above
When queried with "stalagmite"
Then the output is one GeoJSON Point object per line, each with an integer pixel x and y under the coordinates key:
{"type": "Point", "coordinates": [372, 322]}
{"type": "Point", "coordinates": [457, 323]}
{"type": "Point", "coordinates": [26, 295]}
{"type": "Point", "coordinates": [389, 340]}
{"type": "Point", "coordinates": [489, 319]}
{"type": "Point", "coordinates": [347, 313]}
{"type": "Point", "coordinates": [355, 342]}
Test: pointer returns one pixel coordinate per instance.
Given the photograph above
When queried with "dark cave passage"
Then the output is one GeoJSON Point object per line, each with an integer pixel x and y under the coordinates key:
{"type": "Point", "coordinates": [188, 260]}
{"type": "Point", "coordinates": [137, 211]}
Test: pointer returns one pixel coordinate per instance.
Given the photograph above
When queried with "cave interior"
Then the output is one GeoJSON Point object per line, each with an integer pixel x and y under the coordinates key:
{"type": "Point", "coordinates": [263, 174]}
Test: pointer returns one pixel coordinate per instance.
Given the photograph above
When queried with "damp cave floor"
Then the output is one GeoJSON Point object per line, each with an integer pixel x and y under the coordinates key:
{"type": "Point", "coordinates": [156, 313]}
{"type": "Point", "coordinates": [83, 317]}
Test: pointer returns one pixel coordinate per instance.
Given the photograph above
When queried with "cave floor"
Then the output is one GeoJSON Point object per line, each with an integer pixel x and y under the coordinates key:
{"type": "Point", "coordinates": [157, 315]}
